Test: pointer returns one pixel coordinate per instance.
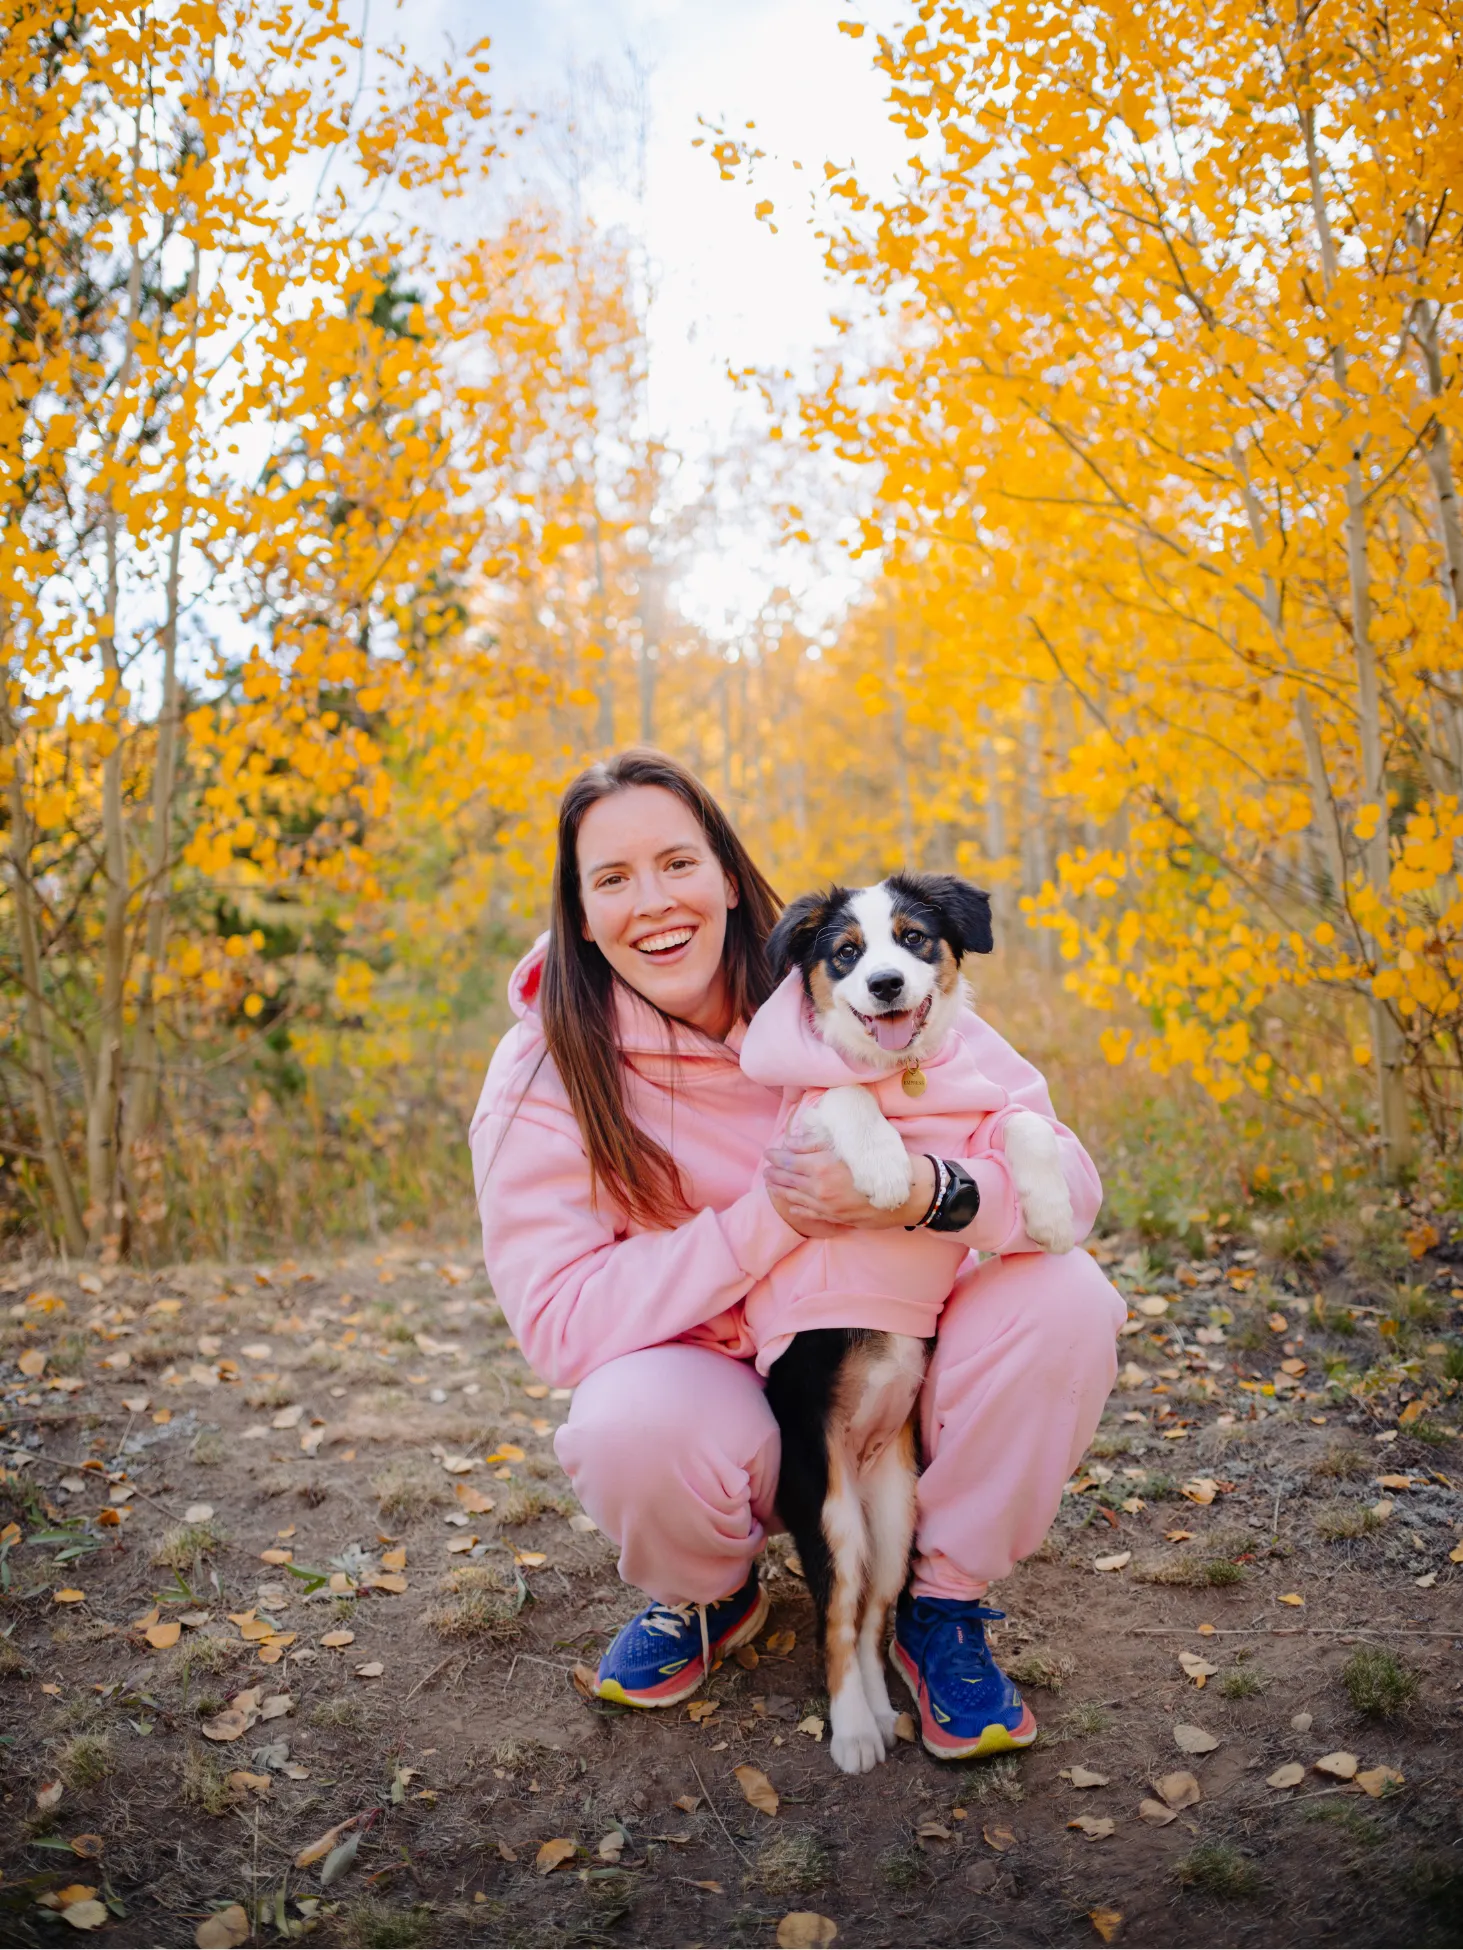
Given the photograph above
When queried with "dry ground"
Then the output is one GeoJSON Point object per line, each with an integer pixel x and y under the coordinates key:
{"type": "Point", "coordinates": [335, 1415]}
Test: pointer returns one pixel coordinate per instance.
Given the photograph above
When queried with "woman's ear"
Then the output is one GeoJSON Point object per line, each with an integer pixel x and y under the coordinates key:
{"type": "Point", "coordinates": [733, 892]}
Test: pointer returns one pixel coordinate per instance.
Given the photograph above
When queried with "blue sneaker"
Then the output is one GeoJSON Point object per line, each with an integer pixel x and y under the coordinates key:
{"type": "Point", "coordinates": [967, 1705]}
{"type": "Point", "coordinates": [665, 1651]}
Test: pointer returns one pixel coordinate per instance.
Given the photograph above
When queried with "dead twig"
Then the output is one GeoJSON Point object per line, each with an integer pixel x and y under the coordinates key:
{"type": "Point", "coordinates": [717, 1812]}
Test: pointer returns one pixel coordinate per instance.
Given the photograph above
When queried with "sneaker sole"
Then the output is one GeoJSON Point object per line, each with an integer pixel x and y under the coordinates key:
{"type": "Point", "coordinates": [994, 1739]}
{"type": "Point", "coordinates": [751, 1625]}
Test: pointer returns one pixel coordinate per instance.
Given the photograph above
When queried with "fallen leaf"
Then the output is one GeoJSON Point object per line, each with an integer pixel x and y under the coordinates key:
{"type": "Point", "coordinates": [74, 1892]}
{"type": "Point", "coordinates": [1156, 1812]}
{"type": "Point", "coordinates": [812, 1726]}
{"type": "Point", "coordinates": [86, 1915]}
{"type": "Point", "coordinates": [904, 1727]}
{"type": "Point", "coordinates": [1200, 1489]}
{"type": "Point", "coordinates": [1083, 1777]}
{"type": "Point", "coordinates": [1455, 1555]}
{"type": "Point", "coordinates": [276, 1706]}
{"type": "Point", "coordinates": [1096, 1828]}
{"type": "Point", "coordinates": [1341, 1766]}
{"type": "Point", "coordinates": [1375, 1780]}
{"type": "Point", "coordinates": [161, 1636]}
{"type": "Point", "coordinates": [243, 1782]}
{"type": "Point", "coordinates": [459, 1466]}
{"type": "Point", "coordinates": [391, 1581]}
{"type": "Point", "coordinates": [1206, 1631]}
{"type": "Point", "coordinates": [507, 1854]}
{"type": "Point", "coordinates": [274, 1555]}
{"type": "Point", "coordinates": [89, 1847]}
{"type": "Point", "coordinates": [1394, 1482]}
{"type": "Point", "coordinates": [1198, 1669]}
{"type": "Point", "coordinates": [49, 1795]}
{"type": "Point", "coordinates": [934, 1831]}
{"type": "Point", "coordinates": [372, 1669]}
{"type": "Point", "coordinates": [757, 1789]}
{"type": "Point", "coordinates": [1289, 1776]}
{"type": "Point", "coordinates": [198, 1513]}
{"type": "Point", "coordinates": [68, 1595]}
{"type": "Point", "coordinates": [1113, 1563]}
{"type": "Point", "coordinates": [1194, 1740]}
{"type": "Point", "coordinates": [1000, 1839]}
{"type": "Point", "coordinates": [473, 1501]}
{"type": "Point", "coordinates": [288, 1418]}
{"type": "Point", "coordinates": [225, 1930]}
{"type": "Point", "coordinates": [1278, 1323]}
{"type": "Point", "coordinates": [687, 1803]}
{"type": "Point", "coordinates": [1426, 1581]}
{"type": "Point", "coordinates": [319, 1849]}
{"type": "Point", "coordinates": [701, 1709]}
{"type": "Point", "coordinates": [459, 1545]}
{"type": "Point", "coordinates": [531, 1560]}
{"type": "Point", "coordinates": [1383, 1508]}
{"type": "Point", "coordinates": [712, 1888]}
{"type": "Point", "coordinates": [586, 1526]}
{"type": "Point", "coordinates": [536, 1391]}
{"type": "Point", "coordinates": [231, 1724]}
{"type": "Point", "coordinates": [1179, 1536]}
{"type": "Point", "coordinates": [1106, 1922]}
{"type": "Point", "coordinates": [586, 1681]}
{"type": "Point", "coordinates": [804, 1929]}
{"type": "Point", "coordinates": [1291, 1598]}
{"type": "Point", "coordinates": [1300, 1722]}
{"type": "Point", "coordinates": [340, 1858]}
{"type": "Point", "coordinates": [551, 1854]}
{"type": "Point", "coordinates": [1179, 1789]}
{"type": "Point", "coordinates": [335, 1640]}
{"type": "Point", "coordinates": [136, 1404]}
{"type": "Point", "coordinates": [508, 1452]}
{"type": "Point", "coordinates": [611, 1847]}
{"type": "Point", "coordinates": [394, 1560]}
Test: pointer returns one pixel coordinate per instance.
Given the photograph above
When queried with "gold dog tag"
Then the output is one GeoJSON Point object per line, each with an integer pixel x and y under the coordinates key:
{"type": "Point", "coordinates": [915, 1081]}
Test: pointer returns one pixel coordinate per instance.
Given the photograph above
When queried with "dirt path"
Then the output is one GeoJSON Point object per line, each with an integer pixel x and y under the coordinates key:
{"type": "Point", "coordinates": [344, 1422]}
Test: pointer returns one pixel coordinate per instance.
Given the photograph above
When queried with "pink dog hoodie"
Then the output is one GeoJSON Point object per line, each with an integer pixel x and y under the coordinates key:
{"type": "Point", "coordinates": [893, 1280]}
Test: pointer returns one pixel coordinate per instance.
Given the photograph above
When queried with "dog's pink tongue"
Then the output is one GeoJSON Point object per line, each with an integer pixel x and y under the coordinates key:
{"type": "Point", "coordinates": [895, 1032]}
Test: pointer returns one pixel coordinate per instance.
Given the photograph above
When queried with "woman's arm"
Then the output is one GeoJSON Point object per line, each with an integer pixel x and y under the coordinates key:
{"type": "Point", "coordinates": [576, 1293]}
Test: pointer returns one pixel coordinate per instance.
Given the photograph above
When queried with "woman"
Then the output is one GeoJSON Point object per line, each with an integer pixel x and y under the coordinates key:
{"type": "Point", "coordinates": [628, 1204]}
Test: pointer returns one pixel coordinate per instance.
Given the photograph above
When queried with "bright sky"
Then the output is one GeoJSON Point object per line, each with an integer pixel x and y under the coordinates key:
{"type": "Point", "coordinates": [728, 291]}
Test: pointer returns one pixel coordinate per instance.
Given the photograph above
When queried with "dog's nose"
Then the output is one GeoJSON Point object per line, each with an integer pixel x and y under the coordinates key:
{"type": "Point", "coordinates": [887, 986]}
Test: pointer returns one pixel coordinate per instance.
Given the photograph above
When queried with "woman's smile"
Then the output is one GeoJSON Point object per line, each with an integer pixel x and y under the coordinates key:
{"type": "Point", "coordinates": [666, 946]}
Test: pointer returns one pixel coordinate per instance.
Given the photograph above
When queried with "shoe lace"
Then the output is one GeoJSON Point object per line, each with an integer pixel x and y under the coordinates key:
{"type": "Point", "coordinates": [965, 1652]}
{"type": "Point", "coordinates": [673, 1620]}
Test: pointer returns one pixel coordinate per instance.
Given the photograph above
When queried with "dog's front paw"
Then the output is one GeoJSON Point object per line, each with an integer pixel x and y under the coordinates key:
{"type": "Point", "coordinates": [1047, 1217]}
{"type": "Point", "coordinates": [885, 1178]}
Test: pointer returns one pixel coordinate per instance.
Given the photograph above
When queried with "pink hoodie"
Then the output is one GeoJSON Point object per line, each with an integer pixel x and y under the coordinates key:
{"type": "Point", "coordinates": [581, 1283]}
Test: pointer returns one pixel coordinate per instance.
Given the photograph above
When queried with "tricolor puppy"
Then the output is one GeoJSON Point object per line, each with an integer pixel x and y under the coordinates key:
{"type": "Point", "coordinates": [880, 968]}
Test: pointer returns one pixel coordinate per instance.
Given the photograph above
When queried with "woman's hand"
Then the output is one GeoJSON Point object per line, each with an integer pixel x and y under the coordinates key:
{"type": "Point", "coordinates": [813, 1190]}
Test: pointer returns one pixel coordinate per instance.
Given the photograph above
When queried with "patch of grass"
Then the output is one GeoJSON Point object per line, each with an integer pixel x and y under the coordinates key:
{"type": "Point", "coordinates": [1335, 1522]}
{"type": "Point", "coordinates": [1244, 1682]}
{"type": "Point", "coordinates": [1220, 1870]}
{"type": "Point", "coordinates": [205, 1784]}
{"type": "Point", "coordinates": [477, 1614]}
{"type": "Point", "coordinates": [203, 1656]}
{"type": "Point", "coordinates": [11, 1661]}
{"type": "Point", "coordinates": [376, 1926]}
{"type": "Point", "coordinates": [993, 1780]}
{"type": "Point", "coordinates": [1188, 1568]}
{"type": "Point", "coordinates": [1049, 1670]}
{"type": "Point", "coordinates": [1354, 1826]}
{"type": "Point", "coordinates": [1347, 1462]}
{"type": "Point", "coordinates": [1109, 1442]}
{"type": "Point", "coordinates": [1378, 1683]}
{"type": "Point", "coordinates": [522, 1505]}
{"type": "Point", "coordinates": [182, 1544]}
{"type": "Point", "coordinates": [791, 1865]}
{"type": "Point", "coordinates": [1453, 1361]}
{"type": "Point", "coordinates": [342, 1713]}
{"type": "Point", "coordinates": [86, 1760]}
{"type": "Point", "coordinates": [209, 1448]}
{"type": "Point", "coordinates": [1084, 1721]}
{"type": "Point", "coordinates": [513, 1754]}
{"type": "Point", "coordinates": [1430, 1432]}
{"type": "Point", "coordinates": [900, 1868]}
{"type": "Point", "coordinates": [409, 1487]}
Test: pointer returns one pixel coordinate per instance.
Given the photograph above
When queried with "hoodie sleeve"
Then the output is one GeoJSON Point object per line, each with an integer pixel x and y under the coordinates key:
{"type": "Point", "coordinates": [576, 1290]}
{"type": "Point", "coordinates": [997, 1227]}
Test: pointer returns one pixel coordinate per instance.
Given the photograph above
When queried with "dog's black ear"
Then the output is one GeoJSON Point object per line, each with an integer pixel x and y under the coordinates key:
{"type": "Point", "coordinates": [790, 944]}
{"type": "Point", "coordinates": [964, 911]}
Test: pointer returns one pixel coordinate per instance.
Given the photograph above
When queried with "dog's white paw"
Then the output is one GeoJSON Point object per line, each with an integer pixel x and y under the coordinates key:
{"type": "Point", "coordinates": [1047, 1217]}
{"type": "Point", "coordinates": [857, 1753]}
{"type": "Point", "coordinates": [884, 1719]}
{"type": "Point", "coordinates": [885, 1178]}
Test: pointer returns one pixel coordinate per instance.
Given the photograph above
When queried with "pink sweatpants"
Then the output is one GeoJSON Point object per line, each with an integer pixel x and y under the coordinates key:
{"type": "Point", "coordinates": [674, 1452]}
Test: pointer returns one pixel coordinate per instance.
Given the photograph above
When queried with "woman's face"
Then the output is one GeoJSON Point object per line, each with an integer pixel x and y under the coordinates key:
{"type": "Point", "coordinates": [655, 902]}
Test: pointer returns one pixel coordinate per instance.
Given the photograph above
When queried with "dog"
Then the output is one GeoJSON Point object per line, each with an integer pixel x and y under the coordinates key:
{"type": "Point", "coordinates": [881, 972]}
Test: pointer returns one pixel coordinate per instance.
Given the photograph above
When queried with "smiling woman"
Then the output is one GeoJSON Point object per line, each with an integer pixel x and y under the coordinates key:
{"type": "Point", "coordinates": [638, 1193]}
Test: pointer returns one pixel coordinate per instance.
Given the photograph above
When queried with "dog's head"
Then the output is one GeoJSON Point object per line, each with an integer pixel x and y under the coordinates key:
{"type": "Point", "coordinates": [881, 965]}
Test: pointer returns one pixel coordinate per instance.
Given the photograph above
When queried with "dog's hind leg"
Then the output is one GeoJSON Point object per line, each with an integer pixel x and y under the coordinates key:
{"type": "Point", "coordinates": [887, 1493]}
{"type": "Point", "coordinates": [856, 1743]}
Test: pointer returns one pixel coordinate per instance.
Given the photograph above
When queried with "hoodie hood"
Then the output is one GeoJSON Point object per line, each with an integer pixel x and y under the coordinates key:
{"type": "Point", "coordinates": [783, 1048]}
{"type": "Point", "coordinates": [641, 1030]}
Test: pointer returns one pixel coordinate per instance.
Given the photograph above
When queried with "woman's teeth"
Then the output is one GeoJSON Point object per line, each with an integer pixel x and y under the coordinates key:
{"type": "Point", "coordinates": [659, 944]}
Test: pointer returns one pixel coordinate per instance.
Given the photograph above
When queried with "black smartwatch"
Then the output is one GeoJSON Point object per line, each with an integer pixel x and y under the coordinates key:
{"type": "Point", "coordinates": [956, 1200]}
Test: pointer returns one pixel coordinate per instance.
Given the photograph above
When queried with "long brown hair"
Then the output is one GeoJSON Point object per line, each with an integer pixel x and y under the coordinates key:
{"type": "Point", "coordinates": [576, 995]}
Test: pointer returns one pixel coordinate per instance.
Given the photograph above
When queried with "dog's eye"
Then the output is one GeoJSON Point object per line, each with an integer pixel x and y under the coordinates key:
{"type": "Point", "coordinates": [913, 938]}
{"type": "Point", "coordinates": [846, 956]}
